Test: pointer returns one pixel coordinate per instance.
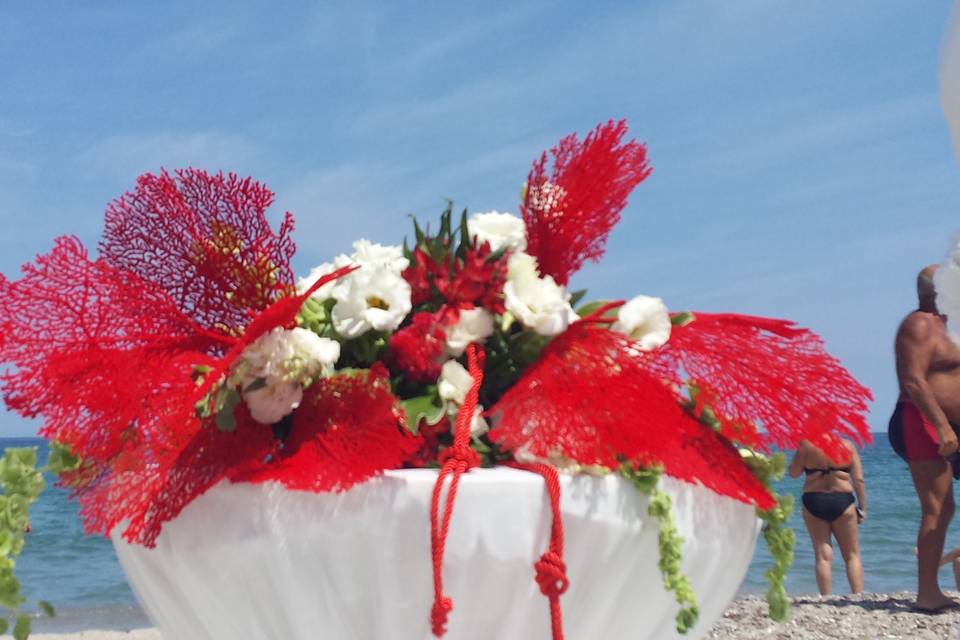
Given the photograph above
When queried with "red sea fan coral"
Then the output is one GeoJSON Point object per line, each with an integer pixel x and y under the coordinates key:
{"type": "Point", "coordinates": [108, 360]}
{"type": "Point", "coordinates": [591, 398]}
{"type": "Point", "coordinates": [347, 429]}
{"type": "Point", "coordinates": [570, 212]}
{"type": "Point", "coordinates": [206, 240]}
{"type": "Point", "coordinates": [159, 484]}
{"type": "Point", "coordinates": [96, 350]}
{"type": "Point", "coordinates": [771, 374]}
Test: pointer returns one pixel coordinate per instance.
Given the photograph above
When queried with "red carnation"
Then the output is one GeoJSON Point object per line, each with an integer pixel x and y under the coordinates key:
{"type": "Point", "coordinates": [417, 349]}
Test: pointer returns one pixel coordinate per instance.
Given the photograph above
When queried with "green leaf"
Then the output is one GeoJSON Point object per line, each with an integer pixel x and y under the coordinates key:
{"type": "Point", "coordinates": [577, 296]}
{"type": "Point", "coordinates": [590, 307]}
{"type": "Point", "coordinates": [4, 625]}
{"type": "Point", "coordinates": [421, 408]}
{"type": "Point", "coordinates": [21, 630]}
{"type": "Point", "coordinates": [256, 385]}
{"type": "Point", "coordinates": [225, 420]}
{"type": "Point", "coordinates": [47, 609]}
{"type": "Point", "coordinates": [682, 319]}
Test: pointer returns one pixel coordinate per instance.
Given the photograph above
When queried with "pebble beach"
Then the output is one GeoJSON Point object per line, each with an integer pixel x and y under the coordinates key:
{"type": "Point", "coordinates": [868, 616]}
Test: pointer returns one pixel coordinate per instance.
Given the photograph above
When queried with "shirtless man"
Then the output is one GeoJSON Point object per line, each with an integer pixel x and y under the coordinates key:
{"type": "Point", "coordinates": [928, 370]}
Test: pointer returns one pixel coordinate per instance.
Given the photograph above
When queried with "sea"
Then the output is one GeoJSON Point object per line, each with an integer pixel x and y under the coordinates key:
{"type": "Point", "coordinates": [80, 574]}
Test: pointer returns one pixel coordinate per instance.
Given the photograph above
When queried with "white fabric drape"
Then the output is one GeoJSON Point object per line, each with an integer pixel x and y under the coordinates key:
{"type": "Point", "coordinates": [258, 562]}
{"type": "Point", "coordinates": [950, 76]}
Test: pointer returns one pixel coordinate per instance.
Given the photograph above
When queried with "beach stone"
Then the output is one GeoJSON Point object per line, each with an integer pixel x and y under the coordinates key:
{"type": "Point", "coordinates": [870, 616]}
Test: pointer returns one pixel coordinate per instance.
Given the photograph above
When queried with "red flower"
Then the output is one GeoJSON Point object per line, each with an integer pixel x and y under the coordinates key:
{"type": "Point", "coordinates": [478, 281]}
{"type": "Point", "coordinates": [417, 349]}
{"type": "Point", "coordinates": [475, 281]}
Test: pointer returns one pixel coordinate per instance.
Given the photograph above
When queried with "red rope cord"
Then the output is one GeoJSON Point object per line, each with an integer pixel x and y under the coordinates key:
{"type": "Point", "coordinates": [551, 571]}
{"type": "Point", "coordinates": [455, 461]}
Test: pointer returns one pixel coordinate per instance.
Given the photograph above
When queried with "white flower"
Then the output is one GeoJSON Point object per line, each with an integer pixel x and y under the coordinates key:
{"type": "Point", "coordinates": [473, 325]}
{"type": "Point", "coordinates": [501, 230]}
{"type": "Point", "coordinates": [370, 298]}
{"type": "Point", "coordinates": [289, 355]}
{"type": "Point", "coordinates": [326, 291]}
{"type": "Point", "coordinates": [453, 387]}
{"type": "Point", "coordinates": [274, 400]}
{"type": "Point", "coordinates": [538, 303]}
{"type": "Point", "coordinates": [478, 426]}
{"type": "Point", "coordinates": [370, 254]}
{"type": "Point", "coordinates": [455, 382]}
{"type": "Point", "coordinates": [644, 319]}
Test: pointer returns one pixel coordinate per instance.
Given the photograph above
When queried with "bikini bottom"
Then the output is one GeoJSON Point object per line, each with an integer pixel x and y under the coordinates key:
{"type": "Point", "coordinates": [827, 505]}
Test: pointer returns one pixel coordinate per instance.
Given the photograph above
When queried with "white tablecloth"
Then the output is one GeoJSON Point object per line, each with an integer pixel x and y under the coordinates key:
{"type": "Point", "coordinates": [259, 562]}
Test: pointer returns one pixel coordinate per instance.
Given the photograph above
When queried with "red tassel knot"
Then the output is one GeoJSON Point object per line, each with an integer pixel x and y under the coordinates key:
{"type": "Point", "coordinates": [551, 575]}
{"type": "Point", "coordinates": [462, 454]}
{"type": "Point", "coordinates": [439, 614]}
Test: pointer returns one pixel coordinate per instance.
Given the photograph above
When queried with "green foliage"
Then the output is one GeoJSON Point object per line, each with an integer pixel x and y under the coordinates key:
{"type": "Point", "coordinates": [61, 459]}
{"type": "Point", "coordinates": [421, 408]}
{"type": "Point", "coordinates": [670, 542]}
{"type": "Point", "coordinates": [22, 482]}
{"type": "Point", "coordinates": [682, 319]}
{"type": "Point", "coordinates": [779, 538]}
{"type": "Point", "coordinates": [21, 629]}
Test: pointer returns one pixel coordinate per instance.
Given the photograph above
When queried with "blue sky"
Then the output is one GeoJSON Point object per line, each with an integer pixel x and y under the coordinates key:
{"type": "Point", "coordinates": [802, 166]}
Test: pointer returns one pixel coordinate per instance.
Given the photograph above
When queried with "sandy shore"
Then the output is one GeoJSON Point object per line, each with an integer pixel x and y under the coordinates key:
{"type": "Point", "coordinates": [873, 616]}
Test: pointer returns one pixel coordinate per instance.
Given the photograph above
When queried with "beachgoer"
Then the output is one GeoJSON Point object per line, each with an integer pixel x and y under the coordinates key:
{"type": "Point", "coordinates": [921, 430]}
{"type": "Point", "coordinates": [830, 509]}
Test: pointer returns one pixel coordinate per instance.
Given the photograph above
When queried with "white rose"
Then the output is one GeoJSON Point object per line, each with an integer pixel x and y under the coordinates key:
{"type": "Point", "coordinates": [268, 404]}
{"type": "Point", "coordinates": [370, 254]}
{"type": "Point", "coordinates": [455, 382]}
{"type": "Point", "coordinates": [290, 355]}
{"type": "Point", "coordinates": [644, 319]}
{"type": "Point", "coordinates": [538, 303]}
{"type": "Point", "coordinates": [311, 353]}
{"type": "Point", "coordinates": [473, 325]}
{"type": "Point", "coordinates": [371, 298]}
{"type": "Point", "coordinates": [501, 230]}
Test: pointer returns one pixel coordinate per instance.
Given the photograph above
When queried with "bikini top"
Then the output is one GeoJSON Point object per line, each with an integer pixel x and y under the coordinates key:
{"type": "Point", "coordinates": [827, 471]}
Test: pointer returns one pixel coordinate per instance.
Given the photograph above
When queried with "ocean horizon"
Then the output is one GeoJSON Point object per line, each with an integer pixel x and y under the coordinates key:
{"type": "Point", "coordinates": [80, 574]}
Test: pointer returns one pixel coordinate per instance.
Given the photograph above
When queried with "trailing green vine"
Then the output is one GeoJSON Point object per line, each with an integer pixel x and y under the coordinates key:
{"type": "Point", "coordinates": [670, 542]}
{"type": "Point", "coordinates": [21, 482]}
{"type": "Point", "coordinates": [780, 538]}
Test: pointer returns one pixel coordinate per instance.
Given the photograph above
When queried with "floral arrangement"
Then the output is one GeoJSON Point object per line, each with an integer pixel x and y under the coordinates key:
{"type": "Point", "coordinates": [187, 353]}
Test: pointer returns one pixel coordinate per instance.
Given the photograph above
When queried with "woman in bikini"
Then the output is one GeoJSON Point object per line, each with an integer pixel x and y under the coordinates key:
{"type": "Point", "coordinates": [830, 509]}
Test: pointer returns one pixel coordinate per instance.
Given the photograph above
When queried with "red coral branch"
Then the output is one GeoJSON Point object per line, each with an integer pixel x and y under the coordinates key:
{"type": "Point", "coordinates": [768, 374]}
{"type": "Point", "coordinates": [570, 211]}
{"type": "Point", "coordinates": [347, 429]}
{"type": "Point", "coordinates": [592, 398]}
{"type": "Point", "coordinates": [96, 350]}
{"type": "Point", "coordinates": [206, 240]}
